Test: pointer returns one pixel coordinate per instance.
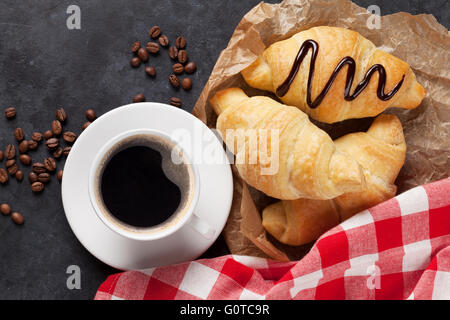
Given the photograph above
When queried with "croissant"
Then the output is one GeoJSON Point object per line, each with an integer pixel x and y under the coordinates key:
{"type": "Point", "coordinates": [280, 152]}
{"type": "Point", "coordinates": [380, 151]}
{"type": "Point", "coordinates": [305, 71]}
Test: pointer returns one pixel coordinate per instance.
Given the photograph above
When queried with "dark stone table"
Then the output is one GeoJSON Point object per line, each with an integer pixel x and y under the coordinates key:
{"type": "Point", "coordinates": [44, 66]}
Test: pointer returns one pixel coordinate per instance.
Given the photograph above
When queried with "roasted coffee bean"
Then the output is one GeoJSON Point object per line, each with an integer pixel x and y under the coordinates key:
{"type": "Point", "coordinates": [3, 176]}
{"type": "Point", "coordinates": [44, 178]}
{"type": "Point", "coordinates": [1, 155]}
{"type": "Point", "coordinates": [152, 47]}
{"type": "Point", "coordinates": [151, 71]}
{"type": "Point", "coordinates": [186, 84]}
{"type": "Point", "coordinates": [10, 152]}
{"type": "Point", "coordinates": [67, 150]}
{"type": "Point", "coordinates": [10, 163]}
{"type": "Point", "coordinates": [85, 125]}
{"type": "Point", "coordinates": [19, 176]}
{"type": "Point", "coordinates": [135, 46]}
{"type": "Point", "coordinates": [5, 209]}
{"type": "Point", "coordinates": [36, 136]}
{"type": "Point", "coordinates": [154, 32]}
{"type": "Point", "coordinates": [143, 54]}
{"type": "Point", "coordinates": [174, 81]}
{"type": "Point", "coordinates": [56, 127]}
{"type": "Point", "coordinates": [12, 170]}
{"type": "Point", "coordinates": [135, 62]}
{"type": "Point", "coordinates": [25, 159]}
{"type": "Point", "coordinates": [32, 177]}
{"type": "Point", "coordinates": [190, 67]}
{"type": "Point", "coordinates": [163, 40]}
{"type": "Point", "coordinates": [178, 68]}
{"type": "Point", "coordinates": [38, 168]}
{"type": "Point", "coordinates": [60, 175]}
{"type": "Point", "coordinates": [139, 98]}
{"type": "Point", "coordinates": [52, 144]}
{"type": "Point", "coordinates": [50, 164]}
{"type": "Point", "coordinates": [90, 114]}
{"type": "Point", "coordinates": [173, 53]}
{"type": "Point", "coordinates": [23, 146]}
{"type": "Point", "coordinates": [58, 153]}
{"type": "Point", "coordinates": [18, 134]}
{"type": "Point", "coordinates": [17, 218]}
{"type": "Point", "coordinates": [69, 137]}
{"type": "Point", "coordinates": [48, 134]}
{"type": "Point", "coordinates": [61, 115]}
{"type": "Point", "coordinates": [37, 187]}
{"type": "Point", "coordinates": [10, 113]}
{"type": "Point", "coordinates": [32, 145]}
{"type": "Point", "coordinates": [176, 102]}
{"type": "Point", "coordinates": [182, 56]}
{"type": "Point", "coordinates": [180, 42]}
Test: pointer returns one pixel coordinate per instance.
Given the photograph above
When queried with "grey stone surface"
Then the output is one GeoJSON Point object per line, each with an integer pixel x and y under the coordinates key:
{"type": "Point", "coordinates": [44, 66]}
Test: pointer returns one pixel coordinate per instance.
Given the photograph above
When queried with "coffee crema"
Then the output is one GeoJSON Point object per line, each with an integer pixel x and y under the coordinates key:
{"type": "Point", "coordinates": [314, 46]}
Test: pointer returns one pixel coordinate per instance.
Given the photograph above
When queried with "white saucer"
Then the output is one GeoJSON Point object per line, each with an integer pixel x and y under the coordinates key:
{"type": "Point", "coordinates": [216, 190]}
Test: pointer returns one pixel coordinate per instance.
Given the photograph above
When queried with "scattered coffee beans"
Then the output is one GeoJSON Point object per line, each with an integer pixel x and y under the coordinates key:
{"type": "Point", "coordinates": [44, 178]}
{"type": "Point", "coordinates": [180, 42]}
{"type": "Point", "coordinates": [60, 175]}
{"type": "Point", "coordinates": [23, 146]}
{"type": "Point", "coordinates": [37, 187]}
{"type": "Point", "coordinates": [176, 102]}
{"type": "Point", "coordinates": [17, 218]}
{"type": "Point", "coordinates": [182, 56]}
{"type": "Point", "coordinates": [67, 150]}
{"type": "Point", "coordinates": [19, 176]}
{"type": "Point", "coordinates": [56, 127]}
{"type": "Point", "coordinates": [12, 170]}
{"type": "Point", "coordinates": [190, 67]}
{"type": "Point", "coordinates": [152, 47]}
{"type": "Point", "coordinates": [186, 84]}
{"type": "Point", "coordinates": [173, 53]}
{"type": "Point", "coordinates": [178, 68]}
{"type": "Point", "coordinates": [135, 62]}
{"type": "Point", "coordinates": [69, 137]}
{"type": "Point", "coordinates": [5, 209]}
{"type": "Point", "coordinates": [48, 134]}
{"type": "Point", "coordinates": [32, 177]}
{"type": "Point", "coordinates": [10, 163]}
{"type": "Point", "coordinates": [135, 46]}
{"type": "Point", "coordinates": [58, 153]}
{"type": "Point", "coordinates": [163, 40]}
{"type": "Point", "coordinates": [32, 145]}
{"type": "Point", "coordinates": [52, 144]}
{"type": "Point", "coordinates": [174, 81]}
{"type": "Point", "coordinates": [139, 98]}
{"type": "Point", "coordinates": [151, 71]}
{"type": "Point", "coordinates": [155, 32]}
{"type": "Point", "coordinates": [18, 134]}
{"type": "Point", "coordinates": [38, 168]}
{"type": "Point", "coordinates": [36, 136]}
{"type": "Point", "coordinates": [10, 152]}
{"type": "Point", "coordinates": [90, 115]}
{"type": "Point", "coordinates": [10, 113]}
{"type": "Point", "coordinates": [3, 176]}
{"type": "Point", "coordinates": [1, 155]}
{"type": "Point", "coordinates": [50, 164]}
{"type": "Point", "coordinates": [25, 159]}
{"type": "Point", "coordinates": [61, 115]}
{"type": "Point", "coordinates": [85, 125]}
{"type": "Point", "coordinates": [143, 54]}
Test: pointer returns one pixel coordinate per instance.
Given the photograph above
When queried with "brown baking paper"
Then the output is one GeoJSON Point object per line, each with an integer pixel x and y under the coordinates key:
{"type": "Point", "coordinates": [420, 40]}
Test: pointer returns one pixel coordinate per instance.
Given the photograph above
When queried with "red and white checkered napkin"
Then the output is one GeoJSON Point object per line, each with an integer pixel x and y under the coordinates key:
{"type": "Point", "coordinates": [399, 249]}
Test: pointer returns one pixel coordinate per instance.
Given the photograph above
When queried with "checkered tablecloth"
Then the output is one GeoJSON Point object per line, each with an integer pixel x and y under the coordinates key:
{"type": "Point", "coordinates": [399, 249]}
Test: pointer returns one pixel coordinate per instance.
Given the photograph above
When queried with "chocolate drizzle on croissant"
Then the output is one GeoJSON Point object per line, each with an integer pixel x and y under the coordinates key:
{"type": "Point", "coordinates": [314, 46]}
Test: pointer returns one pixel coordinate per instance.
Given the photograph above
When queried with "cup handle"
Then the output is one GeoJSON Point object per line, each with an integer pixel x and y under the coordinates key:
{"type": "Point", "coordinates": [202, 227]}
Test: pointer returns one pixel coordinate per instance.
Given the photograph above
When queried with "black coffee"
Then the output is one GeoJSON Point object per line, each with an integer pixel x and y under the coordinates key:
{"type": "Point", "coordinates": [136, 190]}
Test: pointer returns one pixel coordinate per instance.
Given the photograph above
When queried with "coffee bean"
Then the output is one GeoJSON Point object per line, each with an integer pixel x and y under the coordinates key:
{"type": "Point", "coordinates": [23, 146]}
{"type": "Point", "coordinates": [182, 56]}
{"type": "Point", "coordinates": [18, 134]}
{"type": "Point", "coordinates": [186, 84]}
{"type": "Point", "coordinates": [176, 102]}
{"type": "Point", "coordinates": [17, 218]}
{"type": "Point", "coordinates": [152, 47]}
{"type": "Point", "coordinates": [135, 46]}
{"type": "Point", "coordinates": [37, 187]}
{"type": "Point", "coordinates": [32, 145]}
{"type": "Point", "coordinates": [5, 209]}
{"type": "Point", "coordinates": [1, 156]}
{"type": "Point", "coordinates": [61, 115]}
{"type": "Point", "coordinates": [139, 98]}
{"type": "Point", "coordinates": [60, 175]}
{"type": "Point", "coordinates": [151, 71]}
{"type": "Point", "coordinates": [154, 32]}
{"type": "Point", "coordinates": [10, 163]}
{"type": "Point", "coordinates": [85, 125]}
{"type": "Point", "coordinates": [174, 81]}
{"type": "Point", "coordinates": [178, 68]}
{"type": "Point", "coordinates": [143, 54]}
{"type": "Point", "coordinates": [44, 178]}
{"type": "Point", "coordinates": [67, 150]}
{"type": "Point", "coordinates": [190, 67]}
{"type": "Point", "coordinates": [36, 136]}
{"type": "Point", "coordinates": [180, 42]}
{"type": "Point", "coordinates": [32, 177]}
{"type": "Point", "coordinates": [10, 113]}
{"type": "Point", "coordinates": [56, 127]}
{"type": "Point", "coordinates": [58, 153]}
{"type": "Point", "coordinates": [12, 170]}
{"type": "Point", "coordinates": [135, 62]}
{"type": "Point", "coordinates": [10, 152]}
{"type": "Point", "coordinates": [90, 114]}
{"type": "Point", "coordinates": [3, 176]}
{"type": "Point", "coordinates": [48, 134]}
{"type": "Point", "coordinates": [163, 40]}
{"type": "Point", "coordinates": [52, 144]}
{"type": "Point", "coordinates": [38, 168]}
{"type": "Point", "coordinates": [25, 159]}
{"type": "Point", "coordinates": [19, 176]}
{"type": "Point", "coordinates": [173, 52]}
{"type": "Point", "coordinates": [69, 137]}
{"type": "Point", "coordinates": [50, 164]}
